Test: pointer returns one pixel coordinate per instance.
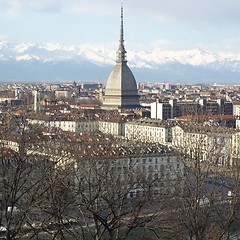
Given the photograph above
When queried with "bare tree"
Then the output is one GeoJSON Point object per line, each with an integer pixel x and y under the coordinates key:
{"type": "Point", "coordinates": [22, 175]}
{"type": "Point", "coordinates": [25, 170]}
{"type": "Point", "coordinates": [203, 208]}
{"type": "Point", "coordinates": [105, 204]}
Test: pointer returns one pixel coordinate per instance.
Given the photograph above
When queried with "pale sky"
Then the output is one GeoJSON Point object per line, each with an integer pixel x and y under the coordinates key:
{"type": "Point", "coordinates": [148, 24]}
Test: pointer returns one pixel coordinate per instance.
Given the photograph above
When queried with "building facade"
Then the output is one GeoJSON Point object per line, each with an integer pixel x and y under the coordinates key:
{"type": "Point", "coordinates": [205, 143]}
{"type": "Point", "coordinates": [149, 130]}
{"type": "Point", "coordinates": [138, 169]}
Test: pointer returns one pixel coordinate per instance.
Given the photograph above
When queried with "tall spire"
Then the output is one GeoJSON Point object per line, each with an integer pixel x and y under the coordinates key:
{"type": "Point", "coordinates": [121, 28]}
{"type": "Point", "coordinates": [121, 53]}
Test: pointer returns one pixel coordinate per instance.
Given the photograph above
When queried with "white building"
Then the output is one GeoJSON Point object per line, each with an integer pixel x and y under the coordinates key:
{"type": "Point", "coordinates": [237, 123]}
{"type": "Point", "coordinates": [235, 150]}
{"type": "Point", "coordinates": [116, 128]}
{"type": "Point", "coordinates": [69, 125]}
{"type": "Point", "coordinates": [141, 167]}
{"type": "Point", "coordinates": [36, 105]}
{"type": "Point", "coordinates": [80, 125]}
{"type": "Point", "coordinates": [206, 143]}
{"type": "Point", "coordinates": [149, 130]}
{"type": "Point", "coordinates": [61, 93]}
{"type": "Point", "coordinates": [163, 110]}
{"type": "Point", "coordinates": [236, 108]}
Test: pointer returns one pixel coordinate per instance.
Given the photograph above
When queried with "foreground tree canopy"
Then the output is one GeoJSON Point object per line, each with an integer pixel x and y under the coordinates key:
{"type": "Point", "coordinates": [57, 185]}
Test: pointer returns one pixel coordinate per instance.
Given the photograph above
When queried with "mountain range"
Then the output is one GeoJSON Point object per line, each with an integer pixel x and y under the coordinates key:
{"type": "Point", "coordinates": [27, 62]}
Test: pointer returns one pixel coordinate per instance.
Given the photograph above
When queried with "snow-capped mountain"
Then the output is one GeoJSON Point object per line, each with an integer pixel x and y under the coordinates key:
{"type": "Point", "coordinates": [39, 62]}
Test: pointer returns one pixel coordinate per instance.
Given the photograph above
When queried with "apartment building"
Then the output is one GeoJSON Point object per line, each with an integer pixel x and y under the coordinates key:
{"type": "Point", "coordinates": [163, 110]}
{"type": "Point", "coordinates": [173, 108]}
{"type": "Point", "coordinates": [207, 143]}
{"type": "Point", "coordinates": [149, 130]}
{"type": "Point", "coordinates": [137, 168]}
{"type": "Point", "coordinates": [142, 167]}
{"type": "Point", "coordinates": [235, 150]}
{"type": "Point", "coordinates": [116, 128]}
{"type": "Point", "coordinates": [82, 125]}
{"type": "Point", "coordinates": [73, 123]}
{"type": "Point", "coordinates": [236, 108]}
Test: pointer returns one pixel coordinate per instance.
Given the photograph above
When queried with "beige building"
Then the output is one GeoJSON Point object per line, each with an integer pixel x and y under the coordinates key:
{"type": "Point", "coordinates": [115, 127]}
{"type": "Point", "coordinates": [235, 147]}
{"type": "Point", "coordinates": [61, 93]}
{"type": "Point", "coordinates": [149, 130]}
{"type": "Point", "coordinates": [140, 167]}
{"type": "Point", "coordinates": [207, 143]}
{"type": "Point", "coordinates": [236, 108]}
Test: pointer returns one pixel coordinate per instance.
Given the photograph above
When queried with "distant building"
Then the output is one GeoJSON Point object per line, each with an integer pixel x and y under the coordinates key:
{"type": "Point", "coordinates": [236, 108]}
{"type": "Point", "coordinates": [206, 143]}
{"type": "Point", "coordinates": [53, 87]}
{"type": "Point", "coordinates": [235, 151]}
{"type": "Point", "coordinates": [228, 121]}
{"type": "Point", "coordinates": [121, 88]}
{"type": "Point", "coordinates": [219, 106]}
{"type": "Point", "coordinates": [188, 108]}
{"type": "Point", "coordinates": [149, 130]}
{"type": "Point", "coordinates": [62, 94]}
{"type": "Point", "coordinates": [16, 102]}
{"type": "Point", "coordinates": [238, 123]}
{"type": "Point", "coordinates": [163, 110]}
{"type": "Point", "coordinates": [70, 123]}
{"type": "Point", "coordinates": [36, 94]}
{"type": "Point", "coordinates": [173, 108]}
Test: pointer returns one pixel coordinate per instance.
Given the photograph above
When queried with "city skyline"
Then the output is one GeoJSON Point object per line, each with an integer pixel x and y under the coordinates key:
{"type": "Point", "coordinates": [149, 25]}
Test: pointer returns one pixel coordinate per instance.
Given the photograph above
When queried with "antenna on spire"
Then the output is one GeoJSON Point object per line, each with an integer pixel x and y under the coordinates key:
{"type": "Point", "coordinates": [121, 29]}
{"type": "Point", "coordinates": [121, 53]}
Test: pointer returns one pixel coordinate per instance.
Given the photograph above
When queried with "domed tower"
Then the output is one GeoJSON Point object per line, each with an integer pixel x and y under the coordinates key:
{"type": "Point", "coordinates": [121, 88]}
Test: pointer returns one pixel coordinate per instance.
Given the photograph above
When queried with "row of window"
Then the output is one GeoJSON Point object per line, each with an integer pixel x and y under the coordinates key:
{"type": "Point", "coordinates": [150, 160]}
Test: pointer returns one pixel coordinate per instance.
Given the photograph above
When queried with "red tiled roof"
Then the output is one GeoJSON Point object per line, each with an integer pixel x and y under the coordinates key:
{"type": "Point", "coordinates": [208, 117]}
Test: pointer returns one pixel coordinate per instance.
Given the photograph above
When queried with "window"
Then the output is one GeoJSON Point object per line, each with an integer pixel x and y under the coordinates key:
{"type": "Point", "coordinates": [131, 194]}
{"type": "Point", "coordinates": [149, 177]}
{"type": "Point", "coordinates": [125, 170]}
{"type": "Point", "coordinates": [162, 170]}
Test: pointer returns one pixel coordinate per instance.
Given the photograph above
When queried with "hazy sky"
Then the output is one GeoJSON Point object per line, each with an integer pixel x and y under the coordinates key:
{"type": "Point", "coordinates": [148, 24]}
